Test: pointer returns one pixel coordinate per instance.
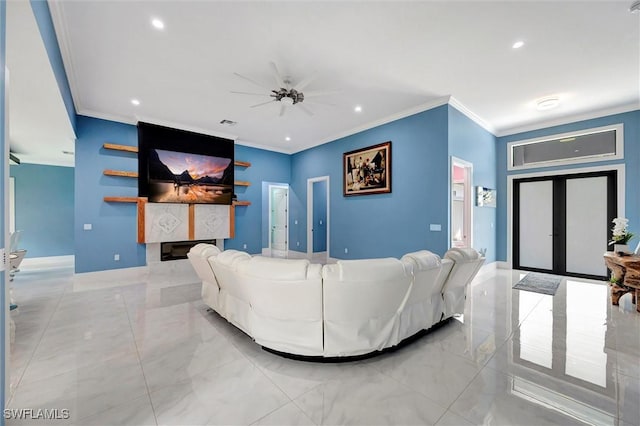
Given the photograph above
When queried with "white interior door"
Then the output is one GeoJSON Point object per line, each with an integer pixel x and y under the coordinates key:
{"type": "Point", "coordinates": [278, 218]}
{"type": "Point", "coordinates": [536, 225]}
{"type": "Point", "coordinates": [586, 225]}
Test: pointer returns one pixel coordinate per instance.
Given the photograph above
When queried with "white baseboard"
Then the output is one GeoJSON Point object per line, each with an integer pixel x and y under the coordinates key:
{"type": "Point", "coordinates": [503, 265]}
{"type": "Point", "coordinates": [50, 262]}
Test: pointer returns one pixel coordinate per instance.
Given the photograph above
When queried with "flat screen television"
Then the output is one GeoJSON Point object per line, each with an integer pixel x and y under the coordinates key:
{"type": "Point", "coordinates": [176, 166]}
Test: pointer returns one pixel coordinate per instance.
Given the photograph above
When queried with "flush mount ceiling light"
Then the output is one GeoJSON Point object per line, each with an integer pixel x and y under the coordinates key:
{"type": "Point", "coordinates": [518, 44]}
{"type": "Point", "coordinates": [548, 103]}
{"type": "Point", "coordinates": [135, 102]}
{"type": "Point", "coordinates": [635, 7]}
{"type": "Point", "coordinates": [157, 24]}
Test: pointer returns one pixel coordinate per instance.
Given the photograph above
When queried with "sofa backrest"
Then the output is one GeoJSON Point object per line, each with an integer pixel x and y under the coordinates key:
{"type": "Point", "coordinates": [427, 271]}
{"type": "Point", "coordinates": [198, 256]}
{"type": "Point", "coordinates": [225, 264]}
{"type": "Point", "coordinates": [466, 264]}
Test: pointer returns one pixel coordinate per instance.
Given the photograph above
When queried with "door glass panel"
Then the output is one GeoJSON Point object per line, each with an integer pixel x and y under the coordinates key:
{"type": "Point", "coordinates": [536, 225]}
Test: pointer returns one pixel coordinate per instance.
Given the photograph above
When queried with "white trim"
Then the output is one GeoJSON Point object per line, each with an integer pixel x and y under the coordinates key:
{"type": "Point", "coordinates": [619, 168]}
{"type": "Point", "coordinates": [468, 198]}
{"type": "Point", "coordinates": [370, 125]}
{"type": "Point", "coordinates": [286, 242]}
{"type": "Point", "coordinates": [292, 254]}
{"type": "Point", "coordinates": [310, 183]}
{"type": "Point", "coordinates": [621, 109]}
{"type": "Point", "coordinates": [49, 262]}
{"type": "Point", "coordinates": [6, 320]}
{"type": "Point", "coordinates": [471, 115]}
{"type": "Point", "coordinates": [619, 155]}
{"type": "Point", "coordinates": [502, 265]}
{"type": "Point", "coordinates": [60, 27]}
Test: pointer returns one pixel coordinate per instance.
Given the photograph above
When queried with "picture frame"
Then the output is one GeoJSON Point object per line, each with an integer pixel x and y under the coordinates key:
{"type": "Point", "coordinates": [367, 170]}
{"type": "Point", "coordinates": [485, 197]}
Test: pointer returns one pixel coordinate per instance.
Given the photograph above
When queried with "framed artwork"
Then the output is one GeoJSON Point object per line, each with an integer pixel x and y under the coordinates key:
{"type": "Point", "coordinates": [486, 197]}
{"type": "Point", "coordinates": [367, 170]}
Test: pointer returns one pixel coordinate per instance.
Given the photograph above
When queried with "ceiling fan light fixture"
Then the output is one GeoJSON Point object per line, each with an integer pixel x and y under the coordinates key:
{"type": "Point", "coordinates": [287, 100]}
{"type": "Point", "coordinates": [547, 103]}
{"type": "Point", "coordinates": [635, 7]}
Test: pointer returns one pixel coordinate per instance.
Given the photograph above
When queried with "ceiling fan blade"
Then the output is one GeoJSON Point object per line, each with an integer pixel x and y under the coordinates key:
{"type": "Point", "coordinates": [305, 110]}
{"type": "Point", "coordinates": [249, 93]}
{"type": "Point", "coordinates": [305, 82]}
{"type": "Point", "coordinates": [252, 81]}
{"type": "Point", "coordinates": [282, 109]}
{"type": "Point", "coordinates": [277, 75]}
{"type": "Point", "coordinates": [320, 93]}
{"type": "Point", "coordinates": [262, 103]}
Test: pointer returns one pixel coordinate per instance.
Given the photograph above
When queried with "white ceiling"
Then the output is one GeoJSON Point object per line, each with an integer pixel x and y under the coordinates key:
{"type": "Point", "coordinates": [39, 127]}
{"type": "Point", "coordinates": [390, 57]}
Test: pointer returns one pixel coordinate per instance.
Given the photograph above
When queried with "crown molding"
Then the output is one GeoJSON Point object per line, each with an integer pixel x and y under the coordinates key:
{"type": "Point", "coordinates": [147, 119]}
{"type": "Point", "coordinates": [472, 115]}
{"type": "Point", "coordinates": [379, 122]}
{"type": "Point", "coordinates": [620, 109]}
{"type": "Point", "coordinates": [45, 161]}
{"type": "Point", "coordinates": [60, 27]}
{"type": "Point", "coordinates": [264, 147]}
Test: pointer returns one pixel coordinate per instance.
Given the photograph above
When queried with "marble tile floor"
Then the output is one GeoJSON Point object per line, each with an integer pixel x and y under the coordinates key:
{"type": "Point", "coordinates": [145, 350]}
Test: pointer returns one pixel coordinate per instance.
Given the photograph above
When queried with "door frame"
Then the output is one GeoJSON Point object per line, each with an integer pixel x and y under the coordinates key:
{"type": "Point", "coordinates": [468, 199]}
{"type": "Point", "coordinates": [286, 242]}
{"type": "Point", "coordinates": [620, 193]}
{"type": "Point", "coordinates": [310, 183]}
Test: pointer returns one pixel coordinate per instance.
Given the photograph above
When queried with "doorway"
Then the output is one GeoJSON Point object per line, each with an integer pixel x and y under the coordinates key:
{"type": "Point", "coordinates": [278, 220]}
{"type": "Point", "coordinates": [461, 203]}
{"type": "Point", "coordinates": [561, 224]}
{"type": "Point", "coordinates": [318, 219]}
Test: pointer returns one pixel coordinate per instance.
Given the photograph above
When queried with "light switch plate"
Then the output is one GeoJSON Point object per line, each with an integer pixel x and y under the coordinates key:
{"type": "Point", "coordinates": [435, 227]}
{"type": "Point", "coordinates": [88, 227]}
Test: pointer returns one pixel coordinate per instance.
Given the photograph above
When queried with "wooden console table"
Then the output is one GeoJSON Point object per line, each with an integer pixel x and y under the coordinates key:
{"type": "Point", "coordinates": [626, 271]}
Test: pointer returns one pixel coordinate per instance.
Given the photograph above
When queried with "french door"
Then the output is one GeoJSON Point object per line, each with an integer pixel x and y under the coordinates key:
{"type": "Point", "coordinates": [562, 224]}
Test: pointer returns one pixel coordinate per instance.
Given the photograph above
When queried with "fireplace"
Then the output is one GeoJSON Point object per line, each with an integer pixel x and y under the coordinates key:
{"type": "Point", "coordinates": [178, 249]}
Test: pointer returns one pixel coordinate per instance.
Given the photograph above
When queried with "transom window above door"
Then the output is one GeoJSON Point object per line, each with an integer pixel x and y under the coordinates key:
{"type": "Point", "coordinates": [597, 144]}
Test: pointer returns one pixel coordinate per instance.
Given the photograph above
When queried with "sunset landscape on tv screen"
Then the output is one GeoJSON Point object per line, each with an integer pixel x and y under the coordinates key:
{"type": "Point", "coordinates": [180, 177]}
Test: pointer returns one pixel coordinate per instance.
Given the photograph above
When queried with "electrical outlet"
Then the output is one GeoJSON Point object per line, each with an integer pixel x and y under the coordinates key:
{"type": "Point", "coordinates": [116, 257]}
{"type": "Point", "coordinates": [295, 222]}
{"type": "Point", "coordinates": [298, 244]}
{"type": "Point", "coordinates": [244, 246]}
{"type": "Point", "coordinates": [346, 250]}
{"type": "Point", "coordinates": [320, 221]}
{"type": "Point", "coordinates": [87, 227]}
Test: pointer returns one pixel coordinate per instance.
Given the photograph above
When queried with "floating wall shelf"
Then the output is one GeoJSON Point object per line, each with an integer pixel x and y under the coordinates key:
{"type": "Point", "coordinates": [242, 164]}
{"type": "Point", "coordinates": [116, 147]}
{"type": "Point", "coordinates": [242, 203]}
{"type": "Point", "coordinates": [121, 173]}
{"type": "Point", "coordinates": [121, 199]}
{"type": "Point", "coordinates": [241, 183]}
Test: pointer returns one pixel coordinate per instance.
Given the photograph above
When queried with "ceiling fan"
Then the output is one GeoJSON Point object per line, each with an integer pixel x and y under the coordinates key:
{"type": "Point", "coordinates": [287, 93]}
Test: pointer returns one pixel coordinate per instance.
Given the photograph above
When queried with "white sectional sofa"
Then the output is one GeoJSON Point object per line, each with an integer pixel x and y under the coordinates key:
{"type": "Point", "coordinates": [351, 308]}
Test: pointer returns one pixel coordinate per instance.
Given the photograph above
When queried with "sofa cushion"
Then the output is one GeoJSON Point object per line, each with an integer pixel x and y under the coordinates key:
{"type": "Point", "coordinates": [423, 260]}
{"type": "Point", "coordinates": [371, 269]}
{"type": "Point", "coordinates": [276, 269]}
{"type": "Point", "coordinates": [462, 255]}
{"type": "Point", "coordinates": [230, 258]}
{"type": "Point", "coordinates": [204, 250]}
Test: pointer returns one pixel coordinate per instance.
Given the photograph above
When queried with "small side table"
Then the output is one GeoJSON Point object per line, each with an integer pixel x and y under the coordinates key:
{"type": "Point", "coordinates": [626, 271]}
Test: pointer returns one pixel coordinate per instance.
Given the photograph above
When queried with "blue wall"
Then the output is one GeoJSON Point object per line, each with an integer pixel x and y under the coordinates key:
{"type": "Point", "coordinates": [383, 224]}
{"type": "Point", "coordinates": [48, 230]}
{"type": "Point", "coordinates": [3, 142]}
{"type": "Point", "coordinates": [319, 216]}
{"type": "Point", "coordinates": [470, 142]}
{"type": "Point", "coordinates": [47, 32]}
{"type": "Point", "coordinates": [631, 121]}
{"type": "Point", "coordinates": [266, 167]}
{"type": "Point", "coordinates": [114, 224]}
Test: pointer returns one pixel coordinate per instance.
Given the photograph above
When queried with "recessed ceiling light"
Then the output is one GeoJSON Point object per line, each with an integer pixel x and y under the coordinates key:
{"type": "Point", "coordinates": [358, 108]}
{"type": "Point", "coordinates": [547, 103]}
{"type": "Point", "coordinates": [157, 23]}
{"type": "Point", "coordinates": [518, 44]}
{"type": "Point", "coordinates": [135, 102]}
{"type": "Point", "coordinates": [287, 139]}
